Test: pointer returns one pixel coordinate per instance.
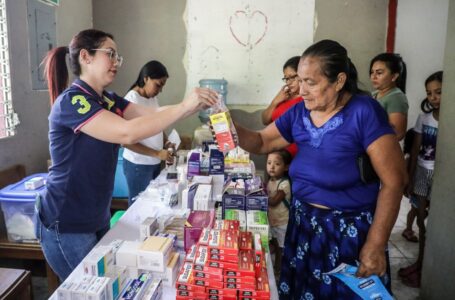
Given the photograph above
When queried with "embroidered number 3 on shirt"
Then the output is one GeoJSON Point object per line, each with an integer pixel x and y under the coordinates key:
{"type": "Point", "coordinates": [85, 105]}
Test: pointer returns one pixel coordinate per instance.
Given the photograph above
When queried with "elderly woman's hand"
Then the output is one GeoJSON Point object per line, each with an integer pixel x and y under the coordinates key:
{"type": "Point", "coordinates": [372, 260]}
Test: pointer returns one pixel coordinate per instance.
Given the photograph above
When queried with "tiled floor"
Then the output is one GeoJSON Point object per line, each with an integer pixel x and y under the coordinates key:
{"type": "Point", "coordinates": [402, 253]}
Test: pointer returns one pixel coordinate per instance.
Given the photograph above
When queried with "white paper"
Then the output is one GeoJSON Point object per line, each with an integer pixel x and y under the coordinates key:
{"type": "Point", "coordinates": [174, 138]}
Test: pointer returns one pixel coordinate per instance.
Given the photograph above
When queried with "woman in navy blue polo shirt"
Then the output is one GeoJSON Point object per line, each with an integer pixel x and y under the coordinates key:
{"type": "Point", "coordinates": [334, 217]}
{"type": "Point", "coordinates": [86, 126]}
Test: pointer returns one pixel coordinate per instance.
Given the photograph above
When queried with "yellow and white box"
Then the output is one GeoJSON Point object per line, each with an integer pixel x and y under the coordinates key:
{"type": "Point", "coordinates": [154, 253]}
{"type": "Point", "coordinates": [170, 274]}
{"type": "Point", "coordinates": [224, 130]}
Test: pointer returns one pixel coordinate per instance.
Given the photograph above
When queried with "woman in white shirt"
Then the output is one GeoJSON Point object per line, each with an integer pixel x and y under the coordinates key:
{"type": "Point", "coordinates": [142, 161]}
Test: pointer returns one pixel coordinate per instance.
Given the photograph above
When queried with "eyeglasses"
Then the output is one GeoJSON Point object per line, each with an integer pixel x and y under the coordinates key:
{"type": "Point", "coordinates": [290, 79]}
{"type": "Point", "coordinates": [113, 55]}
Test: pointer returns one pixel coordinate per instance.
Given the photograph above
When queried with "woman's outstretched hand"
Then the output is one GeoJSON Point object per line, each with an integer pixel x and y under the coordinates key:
{"type": "Point", "coordinates": [200, 98]}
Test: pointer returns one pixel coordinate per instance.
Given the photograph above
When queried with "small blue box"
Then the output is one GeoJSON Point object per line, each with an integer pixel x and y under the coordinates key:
{"type": "Point", "coordinates": [233, 202]}
{"type": "Point", "coordinates": [257, 202]}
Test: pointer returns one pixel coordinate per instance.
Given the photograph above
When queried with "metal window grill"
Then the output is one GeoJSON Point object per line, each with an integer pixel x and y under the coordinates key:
{"type": "Point", "coordinates": [8, 119]}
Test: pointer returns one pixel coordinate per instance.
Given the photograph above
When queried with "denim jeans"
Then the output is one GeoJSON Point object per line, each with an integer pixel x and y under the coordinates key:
{"type": "Point", "coordinates": [64, 251]}
{"type": "Point", "coordinates": [138, 177]}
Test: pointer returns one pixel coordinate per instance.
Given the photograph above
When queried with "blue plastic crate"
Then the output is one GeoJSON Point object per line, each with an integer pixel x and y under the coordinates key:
{"type": "Point", "coordinates": [18, 206]}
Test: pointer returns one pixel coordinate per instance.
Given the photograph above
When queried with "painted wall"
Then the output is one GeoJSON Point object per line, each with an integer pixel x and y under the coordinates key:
{"type": "Point", "coordinates": [30, 145]}
{"type": "Point", "coordinates": [439, 263]}
{"type": "Point", "coordinates": [360, 26]}
{"type": "Point", "coordinates": [146, 30]}
{"type": "Point", "coordinates": [244, 42]}
{"type": "Point", "coordinates": [421, 44]}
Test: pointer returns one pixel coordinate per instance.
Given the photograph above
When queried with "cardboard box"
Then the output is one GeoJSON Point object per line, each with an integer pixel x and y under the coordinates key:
{"type": "Point", "coordinates": [170, 273]}
{"type": "Point", "coordinates": [245, 265]}
{"type": "Point", "coordinates": [201, 255]}
{"type": "Point", "coordinates": [154, 290]}
{"type": "Point", "coordinates": [224, 130]}
{"type": "Point", "coordinates": [99, 261]}
{"type": "Point", "coordinates": [233, 225]}
{"type": "Point", "coordinates": [100, 291]}
{"type": "Point", "coordinates": [257, 222]}
{"type": "Point", "coordinates": [196, 221]}
{"type": "Point", "coordinates": [225, 265]}
{"type": "Point", "coordinates": [232, 202]}
{"type": "Point", "coordinates": [148, 228]}
{"type": "Point", "coordinates": [236, 214]}
{"type": "Point", "coordinates": [126, 255]}
{"type": "Point", "coordinates": [184, 280]}
{"type": "Point", "coordinates": [191, 254]}
{"type": "Point", "coordinates": [154, 253]}
{"type": "Point", "coordinates": [119, 278]}
{"type": "Point", "coordinates": [245, 240]}
{"type": "Point", "coordinates": [224, 242]}
{"type": "Point", "coordinates": [64, 290]}
{"type": "Point", "coordinates": [203, 197]}
{"type": "Point", "coordinates": [257, 202]}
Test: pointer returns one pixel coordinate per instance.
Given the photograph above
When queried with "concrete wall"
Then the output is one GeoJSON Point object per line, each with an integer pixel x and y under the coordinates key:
{"type": "Point", "coordinates": [421, 44]}
{"type": "Point", "coordinates": [360, 26]}
{"type": "Point", "coordinates": [30, 145]}
{"type": "Point", "coordinates": [146, 30]}
{"type": "Point", "coordinates": [160, 26]}
{"type": "Point", "coordinates": [439, 262]}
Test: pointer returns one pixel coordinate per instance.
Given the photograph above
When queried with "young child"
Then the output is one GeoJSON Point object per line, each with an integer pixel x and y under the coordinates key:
{"type": "Point", "coordinates": [421, 170]}
{"type": "Point", "coordinates": [408, 233]}
{"type": "Point", "coordinates": [279, 190]}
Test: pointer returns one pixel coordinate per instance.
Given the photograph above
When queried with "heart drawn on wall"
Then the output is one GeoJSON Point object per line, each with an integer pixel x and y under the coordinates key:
{"type": "Point", "coordinates": [248, 28]}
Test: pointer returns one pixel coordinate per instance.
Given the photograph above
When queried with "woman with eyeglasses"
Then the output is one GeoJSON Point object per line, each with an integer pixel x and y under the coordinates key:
{"type": "Point", "coordinates": [86, 126]}
{"type": "Point", "coordinates": [287, 97]}
{"type": "Point", "coordinates": [142, 161]}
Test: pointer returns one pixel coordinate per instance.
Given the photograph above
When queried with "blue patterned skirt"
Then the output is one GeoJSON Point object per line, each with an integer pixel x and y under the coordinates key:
{"type": "Point", "coordinates": [317, 241]}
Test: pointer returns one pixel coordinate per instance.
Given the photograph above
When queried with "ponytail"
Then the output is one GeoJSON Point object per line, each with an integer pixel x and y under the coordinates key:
{"type": "Point", "coordinates": [56, 72]}
{"type": "Point", "coordinates": [55, 69]}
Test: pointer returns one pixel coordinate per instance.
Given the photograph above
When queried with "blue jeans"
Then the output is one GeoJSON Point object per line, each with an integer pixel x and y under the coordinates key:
{"type": "Point", "coordinates": [138, 177]}
{"type": "Point", "coordinates": [64, 251]}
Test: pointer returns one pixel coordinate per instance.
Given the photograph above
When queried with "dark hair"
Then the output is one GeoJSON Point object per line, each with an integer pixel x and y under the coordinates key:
{"type": "Point", "coordinates": [293, 63]}
{"type": "Point", "coordinates": [285, 155]}
{"type": "Point", "coordinates": [55, 69]}
{"type": "Point", "coordinates": [153, 69]}
{"type": "Point", "coordinates": [396, 65]}
{"type": "Point", "coordinates": [425, 105]}
{"type": "Point", "coordinates": [334, 60]}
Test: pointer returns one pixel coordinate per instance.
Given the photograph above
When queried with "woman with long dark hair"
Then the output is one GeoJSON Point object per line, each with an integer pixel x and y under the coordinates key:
{"type": "Point", "coordinates": [142, 161]}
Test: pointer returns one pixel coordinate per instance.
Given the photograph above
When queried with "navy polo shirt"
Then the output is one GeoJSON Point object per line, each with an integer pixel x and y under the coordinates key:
{"type": "Point", "coordinates": [81, 179]}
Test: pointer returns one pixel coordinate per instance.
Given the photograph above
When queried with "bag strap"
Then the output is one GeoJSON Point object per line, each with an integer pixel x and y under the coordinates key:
{"type": "Point", "coordinates": [285, 201]}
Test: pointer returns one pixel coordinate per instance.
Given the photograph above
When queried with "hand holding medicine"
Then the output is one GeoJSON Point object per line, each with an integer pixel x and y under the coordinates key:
{"type": "Point", "coordinates": [222, 127]}
{"type": "Point", "coordinates": [200, 98]}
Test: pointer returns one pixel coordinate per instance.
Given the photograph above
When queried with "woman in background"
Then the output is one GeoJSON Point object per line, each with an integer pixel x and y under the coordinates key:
{"type": "Point", "coordinates": [287, 97]}
{"type": "Point", "coordinates": [388, 77]}
{"type": "Point", "coordinates": [142, 161]}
